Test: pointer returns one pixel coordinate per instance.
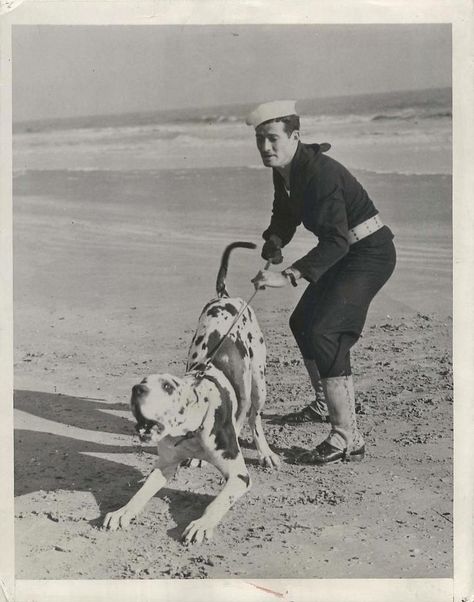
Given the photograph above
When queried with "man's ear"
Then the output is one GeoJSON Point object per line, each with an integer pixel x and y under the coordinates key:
{"type": "Point", "coordinates": [296, 135]}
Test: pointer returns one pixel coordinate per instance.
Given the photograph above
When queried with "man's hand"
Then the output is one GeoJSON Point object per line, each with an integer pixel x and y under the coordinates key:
{"type": "Point", "coordinates": [267, 278]}
{"type": "Point", "coordinates": [271, 250]}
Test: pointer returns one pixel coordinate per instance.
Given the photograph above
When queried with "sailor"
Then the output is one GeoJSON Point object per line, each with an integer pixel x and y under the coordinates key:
{"type": "Point", "coordinates": [352, 259]}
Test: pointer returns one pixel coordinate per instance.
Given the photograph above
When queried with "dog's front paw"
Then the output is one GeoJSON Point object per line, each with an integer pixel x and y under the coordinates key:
{"type": "Point", "coordinates": [120, 519]}
{"type": "Point", "coordinates": [272, 460]}
{"type": "Point", "coordinates": [197, 531]}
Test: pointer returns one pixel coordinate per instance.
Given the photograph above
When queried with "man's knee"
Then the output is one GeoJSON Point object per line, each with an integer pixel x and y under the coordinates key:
{"type": "Point", "coordinates": [332, 352]}
{"type": "Point", "coordinates": [302, 334]}
{"type": "Point", "coordinates": [297, 325]}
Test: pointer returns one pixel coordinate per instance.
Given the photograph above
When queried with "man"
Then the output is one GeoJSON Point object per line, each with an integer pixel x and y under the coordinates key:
{"type": "Point", "coordinates": [352, 260]}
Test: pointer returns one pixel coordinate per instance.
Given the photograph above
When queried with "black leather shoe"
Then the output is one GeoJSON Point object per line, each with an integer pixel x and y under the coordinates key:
{"type": "Point", "coordinates": [325, 453]}
{"type": "Point", "coordinates": [356, 456]}
{"type": "Point", "coordinates": [306, 414]}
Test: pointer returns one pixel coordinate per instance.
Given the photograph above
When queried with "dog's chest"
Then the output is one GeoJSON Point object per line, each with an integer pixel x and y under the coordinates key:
{"type": "Point", "coordinates": [181, 447]}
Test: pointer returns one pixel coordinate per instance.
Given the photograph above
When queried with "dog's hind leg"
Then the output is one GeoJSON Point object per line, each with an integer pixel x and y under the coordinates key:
{"type": "Point", "coordinates": [266, 456]}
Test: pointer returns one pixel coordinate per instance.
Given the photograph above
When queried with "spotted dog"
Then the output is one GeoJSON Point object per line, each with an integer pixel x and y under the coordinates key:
{"type": "Point", "coordinates": [201, 414]}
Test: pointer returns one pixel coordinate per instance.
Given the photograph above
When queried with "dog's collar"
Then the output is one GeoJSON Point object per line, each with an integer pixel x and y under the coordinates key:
{"type": "Point", "coordinates": [189, 435]}
{"type": "Point", "coordinates": [200, 372]}
{"type": "Point", "coordinates": [192, 434]}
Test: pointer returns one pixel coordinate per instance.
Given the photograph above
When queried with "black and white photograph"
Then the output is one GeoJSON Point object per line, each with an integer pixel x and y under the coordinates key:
{"type": "Point", "coordinates": [232, 301]}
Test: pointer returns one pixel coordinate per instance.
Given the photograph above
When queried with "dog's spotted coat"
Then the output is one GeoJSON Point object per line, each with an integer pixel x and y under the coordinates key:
{"type": "Point", "coordinates": [201, 414]}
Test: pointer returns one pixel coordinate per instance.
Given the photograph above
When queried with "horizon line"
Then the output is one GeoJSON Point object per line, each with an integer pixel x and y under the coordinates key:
{"type": "Point", "coordinates": [241, 105]}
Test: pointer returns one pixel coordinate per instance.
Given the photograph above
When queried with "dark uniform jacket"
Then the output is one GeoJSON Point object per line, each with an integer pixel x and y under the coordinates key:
{"type": "Point", "coordinates": [327, 199]}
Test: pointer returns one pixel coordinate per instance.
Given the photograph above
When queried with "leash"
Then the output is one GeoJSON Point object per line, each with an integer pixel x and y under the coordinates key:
{"type": "Point", "coordinates": [201, 373]}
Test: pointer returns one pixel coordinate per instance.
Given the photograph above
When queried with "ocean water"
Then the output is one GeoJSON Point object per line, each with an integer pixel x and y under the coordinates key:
{"type": "Point", "coordinates": [136, 209]}
{"type": "Point", "coordinates": [403, 132]}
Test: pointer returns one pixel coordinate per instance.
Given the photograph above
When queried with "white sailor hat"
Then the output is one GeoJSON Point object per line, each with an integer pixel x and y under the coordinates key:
{"type": "Point", "coordinates": [271, 110]}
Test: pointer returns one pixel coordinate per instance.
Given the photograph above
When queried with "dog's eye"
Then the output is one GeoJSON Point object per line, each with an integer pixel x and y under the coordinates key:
{"type": "Point", "coordinates": [168, 388]}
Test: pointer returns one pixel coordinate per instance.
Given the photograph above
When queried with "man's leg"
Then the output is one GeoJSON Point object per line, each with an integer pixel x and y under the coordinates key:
{"type": "Point", "coordinates": [345, 436]}
{"type": "Point", "coordinates": [317, 410]}
{"type": "Point", "coordinates": [335, 329]}
{"type": "Point", "coordinates": [300, 322]}
{"type": "Point", "coordinates": [344, 439]}
{"type": "Point", "coordinates": [319, 403]}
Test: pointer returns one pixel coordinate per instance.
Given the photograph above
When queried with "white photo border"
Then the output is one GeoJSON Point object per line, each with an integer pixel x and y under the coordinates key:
{"type": "Point", "coordinates": [459, 13]}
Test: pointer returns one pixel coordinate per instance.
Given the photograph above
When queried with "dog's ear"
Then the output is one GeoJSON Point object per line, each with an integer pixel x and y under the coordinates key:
{"type": "Point", "coordinates": [140, 389]}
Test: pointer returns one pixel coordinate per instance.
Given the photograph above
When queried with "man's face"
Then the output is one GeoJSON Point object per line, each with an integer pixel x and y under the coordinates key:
{"type": "Point", "coordinates": [276, 147]}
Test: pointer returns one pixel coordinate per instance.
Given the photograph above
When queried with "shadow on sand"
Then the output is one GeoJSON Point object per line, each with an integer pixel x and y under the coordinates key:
{"type": "Point", "coordinates": [80, 412]}
{"type": "Point", "coordinates": [49, 462]}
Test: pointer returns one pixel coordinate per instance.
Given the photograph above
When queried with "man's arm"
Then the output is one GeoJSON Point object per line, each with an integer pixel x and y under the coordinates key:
{"type": "Point", "coordinates": [329, 217]}
{"type": "Point", "coordinates": [282, 223]}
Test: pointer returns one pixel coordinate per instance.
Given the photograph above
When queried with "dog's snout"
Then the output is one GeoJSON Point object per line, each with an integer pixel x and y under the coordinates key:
{"type": "Point", "coordinates": [140, 389]}
{"type": "Point", "coordinates": [138, 392]}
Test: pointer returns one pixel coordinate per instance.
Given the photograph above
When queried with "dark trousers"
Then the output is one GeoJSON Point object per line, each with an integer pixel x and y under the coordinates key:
{"type": "Point", "coordinates": [331, 314]}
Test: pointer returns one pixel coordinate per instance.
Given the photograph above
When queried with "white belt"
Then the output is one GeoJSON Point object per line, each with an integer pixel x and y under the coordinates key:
{"type": "Point", "coordinates": [359, 232]}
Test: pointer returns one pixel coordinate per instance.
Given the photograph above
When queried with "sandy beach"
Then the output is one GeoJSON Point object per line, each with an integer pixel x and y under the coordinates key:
{"type": "Point", "coordinates": [111, 269]}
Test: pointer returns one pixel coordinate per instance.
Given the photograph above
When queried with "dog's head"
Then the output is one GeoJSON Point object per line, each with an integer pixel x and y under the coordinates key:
{"type": "Point", "coordinates": [159, 405]}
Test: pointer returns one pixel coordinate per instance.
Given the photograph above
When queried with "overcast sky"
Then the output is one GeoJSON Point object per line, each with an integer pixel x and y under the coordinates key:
{"type": "Point", "coordinates": [61, 71]}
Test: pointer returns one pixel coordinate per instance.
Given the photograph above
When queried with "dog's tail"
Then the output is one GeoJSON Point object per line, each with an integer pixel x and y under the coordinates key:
{"type": "Point", "coordinates": [221, 276]}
